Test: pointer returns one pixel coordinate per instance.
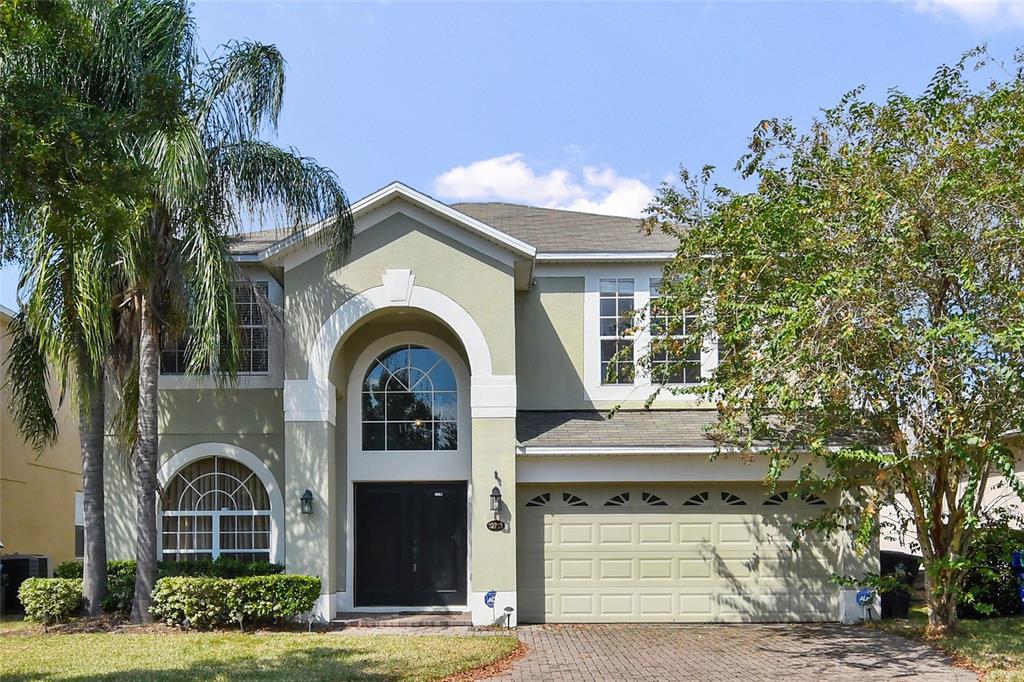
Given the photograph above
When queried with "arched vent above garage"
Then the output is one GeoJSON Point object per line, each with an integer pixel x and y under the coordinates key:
{"type": "Point", "coordinates": [652, 500]}
{"type": "Point", "coordinates": [813, 500]}
{"type": "Point", "coordinates": [697, 500]}
{"type": "Point", "coordinates": [777, 499]}
{"type": "Point", "coordinates": [539, 500]}
{"type": "Point", "coordinates": [620, 500]}
{"type": "Point", "coordinates": [732, 500]}
{"type": "Point", "coordinates": [573, 500]}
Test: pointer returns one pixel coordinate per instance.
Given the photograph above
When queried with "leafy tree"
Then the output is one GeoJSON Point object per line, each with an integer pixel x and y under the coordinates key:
{"type": "Point", "coordinates": [868, 304]}
{"type": "Point", "coordinates": [71, 88]}
{"type": "Point", "coordinates": [211, 174]}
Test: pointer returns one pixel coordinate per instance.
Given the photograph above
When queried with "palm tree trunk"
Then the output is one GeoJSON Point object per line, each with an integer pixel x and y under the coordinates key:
{"type": "Point", "coordinates": [145, 465]}
{"type": "Point", "coordinates": [94, 566]}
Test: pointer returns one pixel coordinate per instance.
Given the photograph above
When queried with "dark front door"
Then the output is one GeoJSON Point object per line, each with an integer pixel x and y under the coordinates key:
{"type": "Point", "coordinates": [410, 544]}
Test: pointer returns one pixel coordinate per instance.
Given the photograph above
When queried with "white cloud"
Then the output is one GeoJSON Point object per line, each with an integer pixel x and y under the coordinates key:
{"type": "Point", "coordinates": [510, 178]}
{"type": "Point", "coordinates": [979, 13]}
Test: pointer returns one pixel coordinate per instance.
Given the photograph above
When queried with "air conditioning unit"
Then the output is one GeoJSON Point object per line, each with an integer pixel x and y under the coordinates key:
{"type": "Point", "coordinates": [14, 570]}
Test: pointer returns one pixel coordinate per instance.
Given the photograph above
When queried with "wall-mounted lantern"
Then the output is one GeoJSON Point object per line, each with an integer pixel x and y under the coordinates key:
{"type": "Point", "coordinates": [306, 502]}
{"type": "Point", "coordinates": [495, 499]}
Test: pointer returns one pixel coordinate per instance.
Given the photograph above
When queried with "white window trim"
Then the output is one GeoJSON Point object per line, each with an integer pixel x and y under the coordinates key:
{"type": "Point", "coordinates": [244, 457]}
{"type": "Point", "coordinates": [272, 378]}
{"type": "Point", "coordinates": [642, 388]}
{"type": "Point", "coordinates": [80, 520]}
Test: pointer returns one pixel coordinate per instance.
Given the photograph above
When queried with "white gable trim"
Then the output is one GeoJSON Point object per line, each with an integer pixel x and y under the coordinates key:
{"type": "Point", "coordinates": [300, 244]}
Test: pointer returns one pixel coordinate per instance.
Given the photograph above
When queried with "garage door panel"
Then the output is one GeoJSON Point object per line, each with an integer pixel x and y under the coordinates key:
{"type": "Point", "coordinates": [694, 568]}
{"type": "Point", "coordinates": [655, 533]}
{"type": "Point", "coordinates": [617, 569]}
{"type": "Point", "coordinates": [659, 559]}
{"type": "Point", "coordinates": [613, 533]}
{"type": "Point", "coordinates": [575, 534]}
{"type": "Point", "coordinates": [575, 569]}
{"type": "Point", "coordinates": [695, 533]}
{"type": "Point", "coordinates": [656, 569]}
{"type": "Point", "coordinates": [617, 605]}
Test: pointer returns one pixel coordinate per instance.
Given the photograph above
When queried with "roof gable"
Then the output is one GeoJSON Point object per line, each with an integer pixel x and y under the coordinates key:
{"type": "Point", "coordinates": [298, 248]}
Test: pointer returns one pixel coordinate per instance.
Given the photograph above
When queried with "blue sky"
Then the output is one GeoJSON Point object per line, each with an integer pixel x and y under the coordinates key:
{"type": "Point", "coordinates": [585, 106]}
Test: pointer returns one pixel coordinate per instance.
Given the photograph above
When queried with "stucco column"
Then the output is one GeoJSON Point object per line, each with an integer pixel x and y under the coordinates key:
{"type": "Point", "coordinates": [309, 538]}
{"type": "Point", "coordinates": [493, 556]}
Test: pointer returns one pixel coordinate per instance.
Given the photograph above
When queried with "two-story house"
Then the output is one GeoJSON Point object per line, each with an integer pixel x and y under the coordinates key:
{"type": "Point", "coordinates": [426, 428]}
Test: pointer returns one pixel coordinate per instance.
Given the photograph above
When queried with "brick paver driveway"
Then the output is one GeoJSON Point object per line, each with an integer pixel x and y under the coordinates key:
{"type": "Point", "coordinates": [737, 653]}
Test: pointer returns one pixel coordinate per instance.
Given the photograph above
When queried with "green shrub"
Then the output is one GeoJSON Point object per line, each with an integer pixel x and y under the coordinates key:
{"type": "Point", "coordinates": [202, 603]}
{"type": "Point", "coordinates": [191, 602]}
{"type": "Point", "coordinates": [68, 569]}
{"type": "Point", "coordinates": [120, 587]}
{"type": "Point", "coordinates": [50, 600]}
{"type": "Point", "coordinates": [272, 598]}
{"type": "Point", "coordinates": [221, 567]}
{"type": "Point", "coordinates": [989, 587]}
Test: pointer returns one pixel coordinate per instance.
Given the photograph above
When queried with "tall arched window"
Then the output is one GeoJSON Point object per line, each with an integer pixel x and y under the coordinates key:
{"type": "Point", "coordinates": [410, 401]}
{"type": "Point", "coordinates": [215, 507]}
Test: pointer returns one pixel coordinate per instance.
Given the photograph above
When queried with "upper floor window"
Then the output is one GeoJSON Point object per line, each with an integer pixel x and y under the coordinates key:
{"type": "Point", "coordinates": [410, 401]}
{"type": "Point", "coordinates": [616, 322]}
{"type": "Point", "coordinates": [669, 331]}
{"type": "Point", "coordinates": [254, 334]}
{"type": "Point", "coordinates": [252, 327]}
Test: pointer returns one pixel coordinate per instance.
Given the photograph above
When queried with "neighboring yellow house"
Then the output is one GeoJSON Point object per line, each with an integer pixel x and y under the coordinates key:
{"type": "Point", "coordinates": [40, 492]}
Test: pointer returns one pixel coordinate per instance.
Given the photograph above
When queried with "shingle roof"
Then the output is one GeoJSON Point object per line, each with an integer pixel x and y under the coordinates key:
{"type": "Point", "coordinates": [550, 230]}
{"type": "Point", "coordinates": [254, 242]}
{"type": "Point", "coordinates": [556, 231]}
{"type": "Point", "coordinates": [626, 429]}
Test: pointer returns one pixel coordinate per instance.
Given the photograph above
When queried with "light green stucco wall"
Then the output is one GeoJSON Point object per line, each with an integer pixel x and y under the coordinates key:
{"type": "Point", "coordinates": [493, 564]}
{"type": "Point", "coordinates": [481, 285]}
{"type": "Point", "coordinates": [549, 344]}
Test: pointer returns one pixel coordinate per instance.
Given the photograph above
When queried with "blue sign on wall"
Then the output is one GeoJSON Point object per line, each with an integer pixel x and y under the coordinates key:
{"type": "Point", "coordinates": [489, 599]}
{"type": "Point", "coordinates": [865, 596]}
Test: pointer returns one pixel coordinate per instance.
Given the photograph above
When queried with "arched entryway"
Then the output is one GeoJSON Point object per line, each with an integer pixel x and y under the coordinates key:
{"type": "Point", "coordinates": [409, 455]}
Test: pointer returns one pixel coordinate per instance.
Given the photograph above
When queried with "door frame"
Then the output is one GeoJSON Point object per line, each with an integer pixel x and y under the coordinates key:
{"type": "Point", "coordinates": [460, 606]}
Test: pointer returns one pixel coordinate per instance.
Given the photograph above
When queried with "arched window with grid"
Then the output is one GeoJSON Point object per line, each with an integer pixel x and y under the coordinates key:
{"type": "Point", "coordinates": [410, 401]}
{"type": "Point", "coordinates": [215, 507]}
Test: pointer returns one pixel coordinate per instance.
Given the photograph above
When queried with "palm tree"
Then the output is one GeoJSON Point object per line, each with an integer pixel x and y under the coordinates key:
{"type": "Point", "coordinates": [83, 71]}
{"type": "Point", "coordinates": [212, 174]}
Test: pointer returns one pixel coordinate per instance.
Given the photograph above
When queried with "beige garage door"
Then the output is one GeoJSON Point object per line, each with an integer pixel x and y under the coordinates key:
{"type": "Point", "coordinates": [673, 554]}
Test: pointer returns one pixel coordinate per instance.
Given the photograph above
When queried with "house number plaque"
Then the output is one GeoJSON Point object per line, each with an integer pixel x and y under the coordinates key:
{"type": "Point", "coordinates": [496, 525]}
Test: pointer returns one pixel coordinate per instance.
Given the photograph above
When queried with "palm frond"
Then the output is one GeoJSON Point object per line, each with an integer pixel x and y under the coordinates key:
{"type": "Point", "coordinates": [259, 179]}
{"type": "Point", "coordinates": [178, 162]}
{"type": "Point", "coordinates": [27, 379]}
{"type": "Point", "coordinates": [240, 92]}
{"type": "Point", "coordinates": [209, 273]}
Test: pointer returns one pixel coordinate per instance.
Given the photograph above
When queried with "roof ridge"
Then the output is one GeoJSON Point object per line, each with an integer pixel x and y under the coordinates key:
{"type": "Point", "coordinates": [542, 208]}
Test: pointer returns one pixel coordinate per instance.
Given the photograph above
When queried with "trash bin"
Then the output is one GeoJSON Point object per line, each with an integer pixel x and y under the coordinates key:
{"type": "Point", "coordinates": [896, 603]}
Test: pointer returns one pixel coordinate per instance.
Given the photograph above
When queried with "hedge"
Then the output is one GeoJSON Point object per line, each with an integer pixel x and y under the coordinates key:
{"type": "Point", "coordinates": [196, 602]}
{"type": "Point", "coordinates": [50, 600]}
{"type": "Point", "coordinates": [221, 567]}
{"type": "Point", "coordinates": [121, 575]}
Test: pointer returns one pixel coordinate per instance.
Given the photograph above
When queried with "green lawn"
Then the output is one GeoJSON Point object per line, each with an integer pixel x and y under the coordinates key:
{"type": "Point", "coordinates": [992, 646]}
{"type": "Point", "coordinates": [26, 654]}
